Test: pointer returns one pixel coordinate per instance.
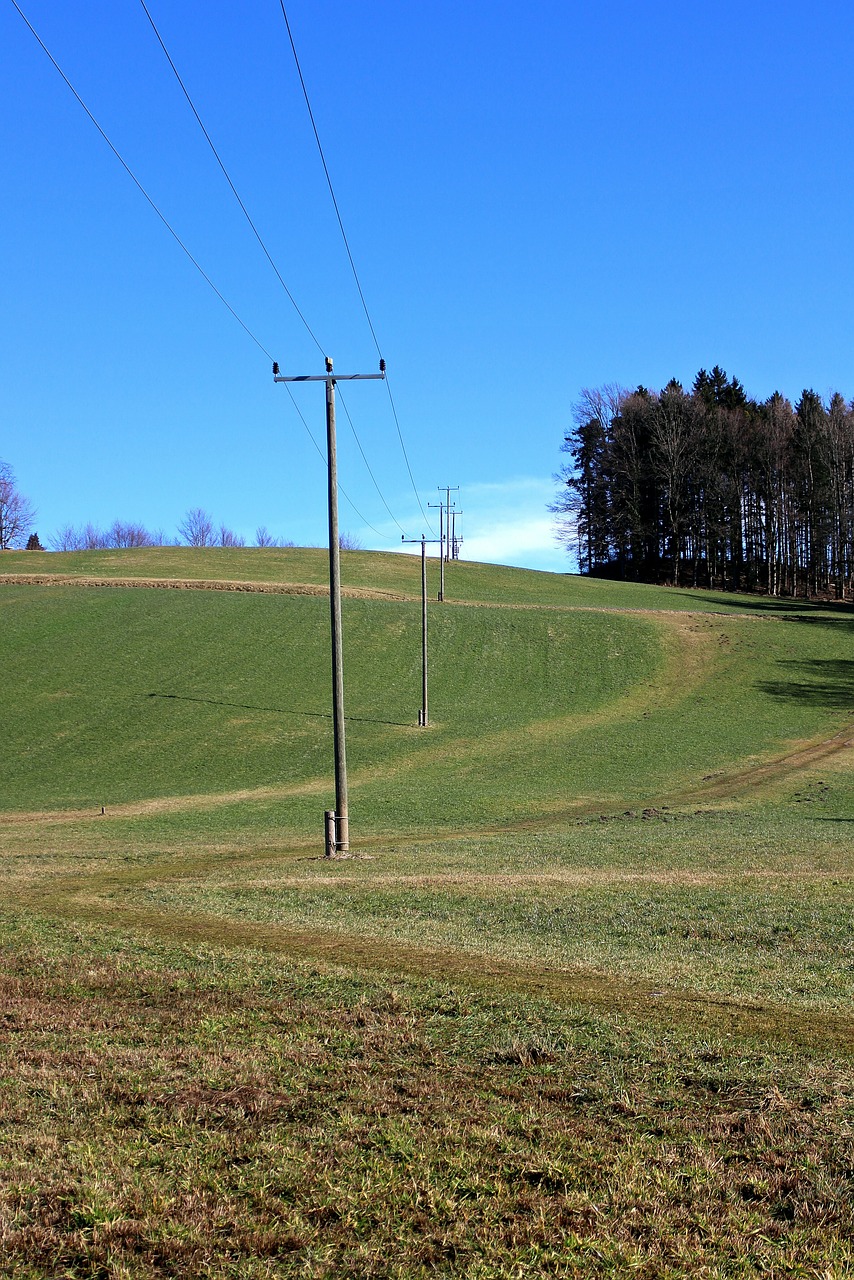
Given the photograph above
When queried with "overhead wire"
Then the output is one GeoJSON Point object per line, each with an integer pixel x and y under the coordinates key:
{"type": "Point", "coordinates": [322, 455]}
{"type": "Point", "coordinates": [329, 179]}
{"type": "Point", "coordinates": [227, 177]}
{"type": "Point", "coordinates": [189, 254]}
{"type": "Point", "coordinates": [141, 188]}
{"type": "Point", "coordinates": [272, 263]}
{"type": "Point", "coordinates": [350, 257]}
{"type": "Point", "coordinates": [343, 404]}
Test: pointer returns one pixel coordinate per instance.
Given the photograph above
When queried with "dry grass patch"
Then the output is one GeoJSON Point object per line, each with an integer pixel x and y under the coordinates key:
{"type": "Point", "coordinates": [199, 584]}
{"type": "Point", "coordinates": [185, 1113]}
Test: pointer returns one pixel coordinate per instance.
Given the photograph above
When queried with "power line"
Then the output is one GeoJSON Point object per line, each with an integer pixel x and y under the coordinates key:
{"type": "Point", "coordinates": [141, 188]}
{"type": "Point", "coordinates": [270, 259]}
{"type": "Point", "coordinates": [368, 465]}
{"type": "Point", "coordinates": [190, 256]}
{"type": "Point", "coordinates": [320, 452]}
{"type": "Point", "coordinates": [322, 456]}
{"type": "Point", "coordinates": [406, 455]}
{"type": "Point", "coordinates": [227, 177]}
{"type": "Point", "coordinates": [329, 179]}
{"type": "Point", "coordinates": [350, 256]}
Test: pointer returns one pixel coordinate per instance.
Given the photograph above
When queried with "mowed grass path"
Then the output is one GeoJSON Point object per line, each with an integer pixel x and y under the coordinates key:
{"type": "Point", "coordinates": [581, 1005]}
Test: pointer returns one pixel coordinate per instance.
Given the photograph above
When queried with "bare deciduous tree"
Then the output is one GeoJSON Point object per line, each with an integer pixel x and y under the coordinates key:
{"type": "Point", "coordinates": [65, 539]}
{"type": "Point", "coordinates": [263, 538]}
{"type": "Point", "coordinates": [16, 512]}
{"type": "Point", "coordinates": [228, 538]}
{"type": "Point", "coordinates": [125, 533]}
{"type": "Point", "coordinates": [197, 529]}
{"type": "Point", "coordinates": [121, 533]}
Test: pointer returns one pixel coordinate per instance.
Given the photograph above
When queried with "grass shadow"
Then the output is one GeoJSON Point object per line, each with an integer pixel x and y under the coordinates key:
{"type": "Point", "coordinates": [833, 612]}
{"type": "Point", "coordinates": [816, 682]}
{"type": "Point", "coordinates": [283, 711]}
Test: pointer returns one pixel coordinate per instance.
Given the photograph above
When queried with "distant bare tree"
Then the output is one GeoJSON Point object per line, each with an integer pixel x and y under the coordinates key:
{"type": "Point", "coordinates": [65, 539]}
{"type": "Point", "coordinates": [16, 512]}
{"type": "Point", "coordinates": [263, 538]}
{"type": "Point", "coordinates": [123, 533]}
{"type": "Point", "coordinates": [197, 529]}
{"type": "Point", "coordinates": [583, 493]}
{"type": "Point", "coordinates": [228, 538]}
{"type": "Point", "coordinates": [87, 538]}
{"type": "Point", "coordinates": [95, 539]}
{"type": "Point", "coordinates": [349, 542]}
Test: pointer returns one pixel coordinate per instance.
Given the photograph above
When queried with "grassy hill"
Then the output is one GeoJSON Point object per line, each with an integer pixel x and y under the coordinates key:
{"type": "Point", "coordinates": [581, 1002]}
{"type": "Point", "coordinates": [118, 695]}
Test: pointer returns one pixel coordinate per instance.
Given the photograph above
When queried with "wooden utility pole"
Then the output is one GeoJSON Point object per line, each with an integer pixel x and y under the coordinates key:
{"type": "Point", "coordinates": [456, 489]}
{"type": "Point", "coordinates": [336, 824]}
{"type": "Point", "coordinates": [422, 714]}
{"type": "Point", "coordinates": [423, 717]}
{"type": "Point", "coordinates": [455, 543]}
{"type": "Point", "coordinates": [444, 533]}
{"type": "Point", "coordinates": [433, 505]}
{"type": "Point", "coordinates": [441, 557]}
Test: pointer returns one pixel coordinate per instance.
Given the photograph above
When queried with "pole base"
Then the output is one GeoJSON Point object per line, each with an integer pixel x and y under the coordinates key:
{"type": "Point", "coordinates": [342, 833]}
{"type": "Point", "coordinates": [336, 833]}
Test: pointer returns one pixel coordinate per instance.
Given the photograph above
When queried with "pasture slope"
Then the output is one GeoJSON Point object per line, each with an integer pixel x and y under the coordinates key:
{"type": "Point", "coordinates": [579, 1004]}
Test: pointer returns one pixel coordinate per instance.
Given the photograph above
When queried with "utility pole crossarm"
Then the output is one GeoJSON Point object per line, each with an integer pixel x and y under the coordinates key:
{"type": "Point", "coordinates": [327, 377]}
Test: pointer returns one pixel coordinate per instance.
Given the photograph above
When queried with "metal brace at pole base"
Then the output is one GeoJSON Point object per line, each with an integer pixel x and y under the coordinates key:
{"type": "Point", "coordinates": [336, 833]}
{"type": "Point", "coordinates": [342, 832]}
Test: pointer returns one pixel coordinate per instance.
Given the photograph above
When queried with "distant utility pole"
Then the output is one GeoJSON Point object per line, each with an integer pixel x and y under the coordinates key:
{"type": "Point", "coordinates": [456, 489]}
{"type": "Point", "coordinates": [422, 714]}
{"type": "Point", "coordinates": [444, 532]}
{"type": "Point", "coordinates": [441, 549]}
{"type": "Point", "coordinates": [337, 823]}
{"type": "Point", "coordinates": [455, 541]}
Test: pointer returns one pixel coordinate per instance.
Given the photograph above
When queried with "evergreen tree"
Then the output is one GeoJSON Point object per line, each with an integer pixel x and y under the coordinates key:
{"type": "Point", "coordinates": [712, 487]}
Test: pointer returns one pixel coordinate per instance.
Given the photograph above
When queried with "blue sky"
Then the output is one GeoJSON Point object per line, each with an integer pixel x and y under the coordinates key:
{"type": "Point", "coordinates": [538, 199]}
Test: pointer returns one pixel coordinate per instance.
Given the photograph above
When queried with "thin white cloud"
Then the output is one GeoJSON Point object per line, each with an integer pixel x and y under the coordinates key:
{"type": "Point", "coordinates": [507, 522]}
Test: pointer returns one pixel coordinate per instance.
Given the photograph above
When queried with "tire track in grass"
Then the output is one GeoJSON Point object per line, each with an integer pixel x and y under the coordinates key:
{"type": "Point", "coordinates": [571, 986]}
{"type": "Point", "coordinates": [764, 774]}
{"type": "Point", "coordinates": [199, 801]}
{"type": "Point", "coordinates": [686, 658]}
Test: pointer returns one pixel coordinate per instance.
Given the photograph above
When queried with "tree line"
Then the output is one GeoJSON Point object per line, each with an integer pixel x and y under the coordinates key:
{"type": "Point", "coordinates": [197, 529]}
{"type": "Point", "coordinates": [710, 488]}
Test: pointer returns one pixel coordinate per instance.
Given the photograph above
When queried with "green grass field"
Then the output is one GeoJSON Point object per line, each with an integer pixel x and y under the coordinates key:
{"type": "Point", "coordinates": [579, 1003]}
